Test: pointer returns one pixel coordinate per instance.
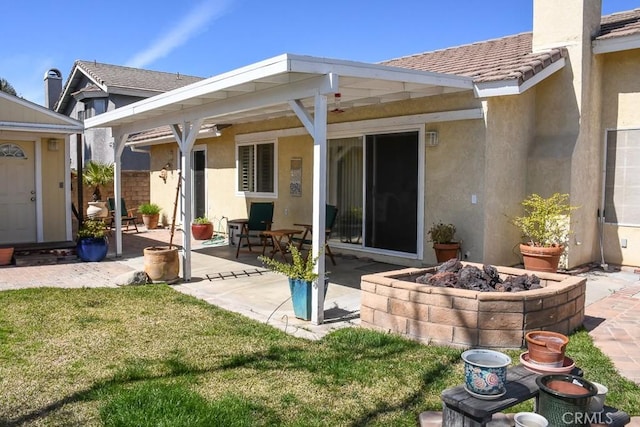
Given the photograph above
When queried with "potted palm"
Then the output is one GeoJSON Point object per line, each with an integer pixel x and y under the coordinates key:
{"type": "Point", "coordinates": [150, 214]}
{"type": "Point", "coordinates": [545, 230]}
{"type": "Point", "coordinates": [442, 235]}
{"type": "Point", "coordinates": [92, 244]}
{"type": "Point", "coordinates": [202, 228]}
{"type": "Point", "coordinates": [97, 174]}
{"type": "Point", "coordinates": [301, 277]}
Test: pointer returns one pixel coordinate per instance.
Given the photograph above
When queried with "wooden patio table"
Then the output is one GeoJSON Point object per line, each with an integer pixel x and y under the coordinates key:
{"type": "Point", "coordinates": [280, 245]}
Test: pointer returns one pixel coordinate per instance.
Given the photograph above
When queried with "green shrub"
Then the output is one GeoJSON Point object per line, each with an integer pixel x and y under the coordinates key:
{"type": "Point", "coordinates": [201, 220]}
{"type": "Point", "coordinates": [149, 209]}
{"type": "Point", "coordinates": [92, 228]}
{"type": "Point", "coordinates": [545, 221]}
{"type": "Point", "coordinates": [441, 233]}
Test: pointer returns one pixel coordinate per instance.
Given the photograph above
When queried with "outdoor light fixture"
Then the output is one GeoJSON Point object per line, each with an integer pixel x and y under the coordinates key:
{"type": "Point", "coordinates": [215, 130]}
{"type": "Point", "coordinates": [337, 97]}
{"type": "Point", "coordinates": [52, 145]}
{"type": "Point", "coordinates": [431, 137]}
{"type": "Point", "coordinates": [163, 172]}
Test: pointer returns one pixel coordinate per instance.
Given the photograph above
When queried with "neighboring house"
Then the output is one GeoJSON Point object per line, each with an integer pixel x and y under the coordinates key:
{"type": "Point", "coordinates": [460, 135]}
{"type": "Point", "coordinates": [93, 88]}
{"type": "Point", "coordinates": [35, 178]}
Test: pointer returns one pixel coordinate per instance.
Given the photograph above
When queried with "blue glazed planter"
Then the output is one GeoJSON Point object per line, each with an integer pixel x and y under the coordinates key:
{"type": "Point", "coordinates": [301, 297]}
{"type": "Point", "coordinates": [485, 373]}
{"type": "Point", "coordinates": [92, 249]}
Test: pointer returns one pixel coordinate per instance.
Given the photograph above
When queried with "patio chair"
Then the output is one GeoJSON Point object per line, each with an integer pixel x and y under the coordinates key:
{"type": "Point", "coordinates": [260, 219]}
{"type": "Point", "coordinates": [128, 215]}
{"type": "Point", "coordinates": [331, 213]}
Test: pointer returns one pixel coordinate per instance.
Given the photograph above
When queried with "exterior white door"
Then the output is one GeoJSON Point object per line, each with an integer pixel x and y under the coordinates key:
{"type": "Point", "coordinates": [17, 192]}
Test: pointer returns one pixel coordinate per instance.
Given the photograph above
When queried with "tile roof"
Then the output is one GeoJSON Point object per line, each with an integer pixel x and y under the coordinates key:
{"type": "Point", "coordinates": [508, 58]}
{"type": "Point", "coordinates": [620, 24]}
{"type": "Point", "coordinates": [135, 78]}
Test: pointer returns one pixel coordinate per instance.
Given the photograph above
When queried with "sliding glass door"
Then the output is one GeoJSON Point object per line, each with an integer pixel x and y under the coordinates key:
{"type": "Point", "coordinates": [374, 182]}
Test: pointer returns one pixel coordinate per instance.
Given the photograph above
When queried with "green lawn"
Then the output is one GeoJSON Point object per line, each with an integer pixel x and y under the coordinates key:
{"type": "Point", "coordinates": [152, 356]}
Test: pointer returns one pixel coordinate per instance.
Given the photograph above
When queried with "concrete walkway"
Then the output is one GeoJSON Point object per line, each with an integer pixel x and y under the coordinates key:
{"type": "Point", "coordinates": [242, 285]}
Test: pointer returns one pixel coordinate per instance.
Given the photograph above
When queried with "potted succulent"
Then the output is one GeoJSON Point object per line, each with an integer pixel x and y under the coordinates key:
{"type": "Point", "coordinates": [545, 230]}
{"type": "Point", "coordinates": [442, 236]}
{"type": "Point", "coordinates": [150, 214]}
{"type": "Point", "coordinates": [92, 244]}
{"type": "Point", "coordinates": [97, 174]}
{"type": "Point", "coordinates": [301, 276]}
{"type": "Point", "coordinates": [202, 228]}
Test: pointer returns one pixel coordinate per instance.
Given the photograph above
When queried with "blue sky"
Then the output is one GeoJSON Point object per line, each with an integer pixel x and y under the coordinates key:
{"type": "Point", "coordinates": [208, 37]}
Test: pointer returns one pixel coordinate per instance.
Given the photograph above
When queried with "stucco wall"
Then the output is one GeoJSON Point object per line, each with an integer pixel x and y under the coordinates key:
{"type": "Point", "coordinates": [566, 153]}
{"type": "Point", "coordinates": [510, 123]}
{"type": "Point", "coordinates": [454, 172]}
{"type": "Point", "coordinates": [620, 101]}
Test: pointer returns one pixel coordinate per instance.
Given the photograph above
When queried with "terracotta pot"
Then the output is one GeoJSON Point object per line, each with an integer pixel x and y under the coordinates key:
{"type": "Point", "coordinates": [162, 264]}
{"type": "Point", "coordinates": [446, 251]}
{"type": "Point", "coordinates": [6, 254]}
{"type": "Point", "coordinates": [546, 347]}
{"type": "Point", "coordinates": [202, 231]}
{"type": "Point", "coordinates": [538, 258]}
{"type": "Point", "coordinates": [150, 221]}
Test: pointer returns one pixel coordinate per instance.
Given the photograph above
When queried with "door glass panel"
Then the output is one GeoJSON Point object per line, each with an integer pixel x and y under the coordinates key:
{"type": "Point", "coordinates": [391, 213]}
{"type": "Point", "coordinates": [199, 189]}
{"type": "Point", "coordinates": [344, 188]}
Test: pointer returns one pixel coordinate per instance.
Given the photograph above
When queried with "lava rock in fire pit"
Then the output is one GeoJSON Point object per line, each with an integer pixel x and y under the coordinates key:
{"type": "Point", "coordinates": [452, 274]}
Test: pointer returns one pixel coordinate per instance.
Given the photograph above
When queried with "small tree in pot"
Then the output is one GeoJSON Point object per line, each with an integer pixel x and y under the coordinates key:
{"type": "Point", "coordinates": [97, 174]}
{"type": "Point", "coordinates": [442, 235]}
{"type": "Point", "coordinates": [545, 230]}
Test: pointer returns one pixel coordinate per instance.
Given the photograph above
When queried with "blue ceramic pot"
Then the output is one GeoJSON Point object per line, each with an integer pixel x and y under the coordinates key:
{"type": "Point", "coordinates": [301, 297]}
{"type": "Point", "coordinates": [92, 249]}
{"type": "Point", "coordinates": [485, 372]}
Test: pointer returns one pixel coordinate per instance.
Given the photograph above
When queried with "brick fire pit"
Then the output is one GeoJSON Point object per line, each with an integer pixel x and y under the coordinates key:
{"type": "Point", "coordinates": [393, 302]}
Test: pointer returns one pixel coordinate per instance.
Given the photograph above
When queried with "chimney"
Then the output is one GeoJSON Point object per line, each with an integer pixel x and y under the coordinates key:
{"type": "Point", "coordinates": [565, 22]}
{"type": "Point", "coordinates": [52, 87]}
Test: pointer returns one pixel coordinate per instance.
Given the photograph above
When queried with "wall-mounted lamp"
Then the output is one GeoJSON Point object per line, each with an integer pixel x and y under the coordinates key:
{"type": "Point", "coordinates": [52, 144]}
{"type": "Point", "coordinates": [163, 172]}
{"type": "Point", "coordinates": [431, 138]}
{"type": "Point", "coordinates": [214, 130]}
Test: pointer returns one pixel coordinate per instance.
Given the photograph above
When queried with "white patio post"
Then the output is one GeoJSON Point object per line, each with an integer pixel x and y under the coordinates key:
{"type": "Point", "coordinates": [319, 202]}
{"type": "Point", "coordinates": [118, 147]}
{"type": "Point", "coordinates": [186, 138]}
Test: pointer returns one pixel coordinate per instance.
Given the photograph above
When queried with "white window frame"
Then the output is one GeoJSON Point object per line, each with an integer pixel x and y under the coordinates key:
{"type": "Point", "coordinates": [273, 194]}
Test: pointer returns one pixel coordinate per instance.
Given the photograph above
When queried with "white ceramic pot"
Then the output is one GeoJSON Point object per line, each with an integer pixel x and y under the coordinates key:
{"type": "Point", "coordinates": [530, 419]}
{"type": "Point", "coordinates": [97, 210]}
{"type": "Point", "coordinates": [597, 401]}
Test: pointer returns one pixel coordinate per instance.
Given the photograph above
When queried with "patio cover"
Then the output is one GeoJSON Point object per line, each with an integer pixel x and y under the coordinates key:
{"type": "Point", "coordinates": [268, 89]}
